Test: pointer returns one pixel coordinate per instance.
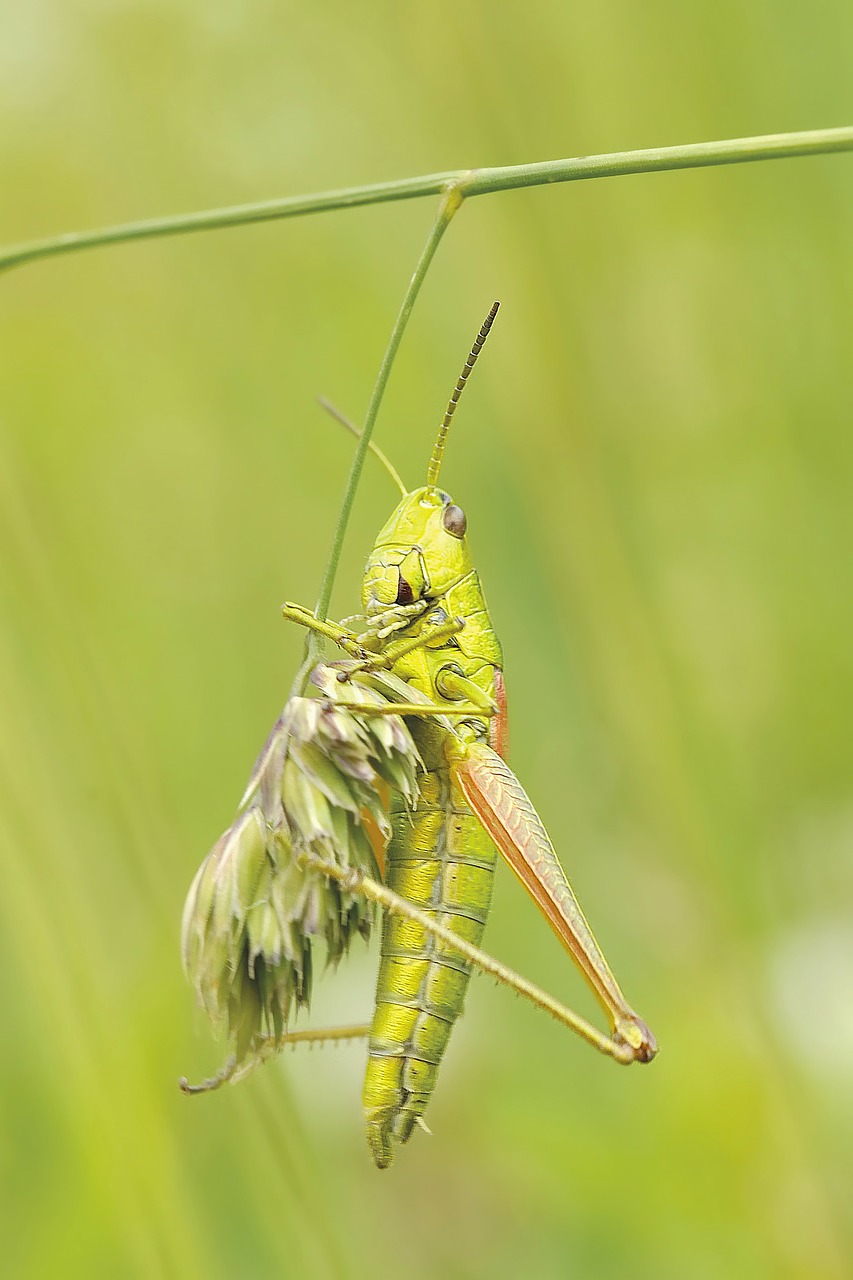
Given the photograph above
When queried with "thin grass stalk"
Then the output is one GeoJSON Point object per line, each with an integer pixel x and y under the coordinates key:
{"type": "Point", "coordinates": [472, 182]}
{"type": "Point", "coordinates": [450, 204]}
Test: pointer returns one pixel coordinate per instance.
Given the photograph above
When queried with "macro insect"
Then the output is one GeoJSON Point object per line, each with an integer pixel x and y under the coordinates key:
{"type": "Point", "coordinates": [391, 787]}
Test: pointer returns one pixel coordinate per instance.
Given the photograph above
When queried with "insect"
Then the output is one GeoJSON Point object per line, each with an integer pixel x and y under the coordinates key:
{"type": "Point", "coordinates": [426, 649]}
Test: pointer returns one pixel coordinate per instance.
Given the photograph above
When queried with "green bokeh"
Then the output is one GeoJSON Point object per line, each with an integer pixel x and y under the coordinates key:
{"type": "Point", "coordinates": [655, 457]}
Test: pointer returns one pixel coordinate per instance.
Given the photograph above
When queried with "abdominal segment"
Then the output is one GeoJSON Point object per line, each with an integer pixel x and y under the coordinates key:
{"type": "Point", "coordinates": [441, 860]}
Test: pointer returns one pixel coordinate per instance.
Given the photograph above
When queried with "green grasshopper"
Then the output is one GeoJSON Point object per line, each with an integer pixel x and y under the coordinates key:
{"type": "Point", "coordinates": [426, 641]}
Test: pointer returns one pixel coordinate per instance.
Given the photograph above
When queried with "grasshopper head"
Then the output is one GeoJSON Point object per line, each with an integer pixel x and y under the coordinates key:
{"type": "Point", "coordinates": [419, 554]}
{"type": "Point", "coordinates": [422, 552]}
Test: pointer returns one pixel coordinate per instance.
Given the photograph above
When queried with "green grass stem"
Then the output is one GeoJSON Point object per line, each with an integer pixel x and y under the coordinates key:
{"type": "Point", "coordinates": [474, 182]}
{"type": "Point", "coordinates": [449, 205]}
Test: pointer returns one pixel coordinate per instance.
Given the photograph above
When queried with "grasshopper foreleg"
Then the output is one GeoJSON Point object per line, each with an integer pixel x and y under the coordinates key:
{"type": "Point", "coordinates": [392, 653]}
{"type": "Point", "coordinates": [464, 709]}
{"type": "Point", "coordinates": [341, 636]}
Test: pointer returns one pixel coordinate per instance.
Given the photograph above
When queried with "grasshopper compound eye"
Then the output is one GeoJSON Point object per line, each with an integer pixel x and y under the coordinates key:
{"type": "Point", "coordinates": [455, 521]}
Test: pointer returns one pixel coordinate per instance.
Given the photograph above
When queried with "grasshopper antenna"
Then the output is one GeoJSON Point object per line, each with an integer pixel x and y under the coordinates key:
{"type": "Point", "coordinates": [374, 448]}
{"type": "Point", "coordinates": [441, 438]}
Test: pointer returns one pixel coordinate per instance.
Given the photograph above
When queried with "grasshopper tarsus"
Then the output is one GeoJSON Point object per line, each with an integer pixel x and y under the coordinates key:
{"type": "Point", "coordinates": [212, 1082]}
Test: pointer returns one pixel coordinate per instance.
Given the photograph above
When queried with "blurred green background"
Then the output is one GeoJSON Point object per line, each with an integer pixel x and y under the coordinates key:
{"type": "Point", "coordinates": [654, 456]}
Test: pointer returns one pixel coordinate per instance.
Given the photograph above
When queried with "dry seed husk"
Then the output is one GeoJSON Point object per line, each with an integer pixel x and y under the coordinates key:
{"type": "Point", "coordinates": [255, 909]}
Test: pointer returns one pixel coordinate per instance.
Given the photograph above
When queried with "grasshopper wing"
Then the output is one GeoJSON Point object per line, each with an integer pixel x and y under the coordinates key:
{"type": "Point", "coordinates": [503, 807]}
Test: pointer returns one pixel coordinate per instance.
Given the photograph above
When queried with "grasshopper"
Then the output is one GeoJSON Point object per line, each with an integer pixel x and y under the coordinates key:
{"type": "Point", "coordinates": [426, 652]}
